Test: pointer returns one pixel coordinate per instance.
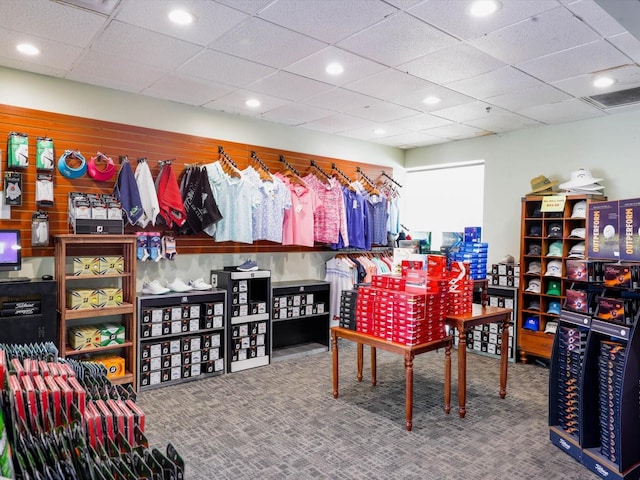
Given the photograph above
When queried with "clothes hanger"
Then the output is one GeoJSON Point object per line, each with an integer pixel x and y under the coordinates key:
{"type": "Point", "coordinates": [342, 178]}
{"type": "Point", "coordinates": [323, 176]}
{"type": "Point", "coordinates": [263, 170]}
{"type": "Point", "coordinates": [228, 166]}
{"type": "Point", "coordinates": [291, 173]}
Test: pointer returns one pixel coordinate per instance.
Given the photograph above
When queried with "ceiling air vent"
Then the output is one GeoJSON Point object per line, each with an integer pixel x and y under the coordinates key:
{"type": "Point", "coordinates": [620, 98]}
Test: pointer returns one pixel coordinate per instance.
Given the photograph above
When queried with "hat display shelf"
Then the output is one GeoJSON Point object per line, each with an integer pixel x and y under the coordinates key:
{"type": "Point", "coordinates": [546, 240]}
{"type": "Point", "coordinates": [594, 380]}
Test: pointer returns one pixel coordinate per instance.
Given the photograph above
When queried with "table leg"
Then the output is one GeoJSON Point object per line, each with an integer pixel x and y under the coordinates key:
{"type": "Point", "coordinates": [447, 378]}
{"type": "Point", "coordinates": [462, 371]}
{"type": "Point", "coordinates": [373, 366]}
{"type": "Point", "coordinates": [334, 351]}
{"type": "Point", "coordinates": [504, 357]}
{"type": "Point", "coordinates": [408, 366]}
{"type": "Point", "coordinates": [359, 351]}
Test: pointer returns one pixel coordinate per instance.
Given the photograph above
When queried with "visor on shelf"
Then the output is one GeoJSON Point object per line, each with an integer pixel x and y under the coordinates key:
{"type": "Point", "coordinates": [107, 168]}
{"type": "Point", "coordinates": [68, 171]}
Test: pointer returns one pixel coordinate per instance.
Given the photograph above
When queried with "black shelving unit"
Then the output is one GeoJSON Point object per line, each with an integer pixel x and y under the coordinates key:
{"type": "Point", "coordinates": [181, 337]}
{"type": "Point", "coordinates": [248, 336]}
{"type": "Point", "coordinates": [300, 318]}
{"type": "Point", "coordinates": [29, 328]}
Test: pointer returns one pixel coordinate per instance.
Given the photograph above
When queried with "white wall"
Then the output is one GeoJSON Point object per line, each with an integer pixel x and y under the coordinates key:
{"type": "Point", "coordinates": [608, 146]}
{"type": "Point", "coordinates": [50, 94]}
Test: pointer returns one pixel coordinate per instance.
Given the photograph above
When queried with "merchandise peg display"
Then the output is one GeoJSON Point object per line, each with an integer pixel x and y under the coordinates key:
{"type": "Point", "coordinates": [181, 337]}
{"type": "Point", "coordinates": [249, 312]}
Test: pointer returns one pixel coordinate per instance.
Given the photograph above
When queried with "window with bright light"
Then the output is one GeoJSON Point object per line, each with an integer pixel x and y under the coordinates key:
{"type": "Point", "coordinates": [443, 198]}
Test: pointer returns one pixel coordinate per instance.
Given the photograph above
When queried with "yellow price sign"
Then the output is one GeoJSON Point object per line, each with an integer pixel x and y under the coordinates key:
{"type": "Point", "coordinates": [553, 203]}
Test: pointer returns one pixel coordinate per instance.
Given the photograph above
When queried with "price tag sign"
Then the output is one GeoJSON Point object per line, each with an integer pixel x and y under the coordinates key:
{"type": "Point", "coordinates": [553, 203]}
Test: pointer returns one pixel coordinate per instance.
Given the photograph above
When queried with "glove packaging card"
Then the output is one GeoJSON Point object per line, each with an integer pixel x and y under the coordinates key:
{"type": "Point", "coordinates": [13, 189]}
{"type": "Point", "coordinates": [18, 155]}
{"type": "Point", "coordinates": [44, 153]}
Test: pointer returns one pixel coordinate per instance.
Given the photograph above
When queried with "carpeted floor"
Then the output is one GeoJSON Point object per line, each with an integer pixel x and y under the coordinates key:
{"type": "Point", "coordinates": [281, 421]}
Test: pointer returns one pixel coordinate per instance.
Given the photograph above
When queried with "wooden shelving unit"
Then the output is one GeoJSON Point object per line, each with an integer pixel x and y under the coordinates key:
{"type": "Point", "coordinates": [69, 246]}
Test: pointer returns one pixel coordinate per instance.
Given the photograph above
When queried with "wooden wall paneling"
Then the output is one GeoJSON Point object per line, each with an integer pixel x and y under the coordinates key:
{"type": "Point", "coordinates": [90, 136]}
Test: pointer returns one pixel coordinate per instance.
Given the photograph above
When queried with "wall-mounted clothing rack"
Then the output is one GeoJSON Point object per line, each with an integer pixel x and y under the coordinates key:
{"type": "Point", "coordinates": [317, 167]}
{"type": "Point", "coordinates": [384, 174]}
{"type": "Point", "coordinates": [289, 166]}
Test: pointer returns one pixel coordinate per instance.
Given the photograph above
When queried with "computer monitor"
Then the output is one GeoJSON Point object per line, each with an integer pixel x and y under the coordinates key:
{"type": "Point", "coordinates": [10, 250]}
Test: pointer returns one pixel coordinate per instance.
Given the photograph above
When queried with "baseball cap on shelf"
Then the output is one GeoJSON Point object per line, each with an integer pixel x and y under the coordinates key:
{"type": "Point", "coordinates": [555, 249]}
{"type": "Point", "coordinates": [507, 259]}
{"type": "Point", "coordinates": [535, 231]}
{"type": "Point", "coordinates": [535, 249]}
{"type": "Point", "coordinates": [554, 269]}
{"type": "Point", "coordinates": [554, 287]}
{"type": "Point", "coordinates": [554, 230]}
{"type": "Point", "coordinates": [578, 232]}
{"type": "Point", "coordinates": [532, 323]}
{"type": "Point", "coordinates": [534, 267]}
{"type": "Point", "coordinates": [533, 286]}
{"type": "Point", "coordinates": [554, 308]}
{"type": "Point", "coordinates": [551, 327]}
{"type": "Point", "coordinates": [537, 212]}
{"type": "Point", "coordinates": [534, 305]}
{"type": "Point", "coordinates": [577, 251]}
{"type": "Point", "coordinates": [579, 209]}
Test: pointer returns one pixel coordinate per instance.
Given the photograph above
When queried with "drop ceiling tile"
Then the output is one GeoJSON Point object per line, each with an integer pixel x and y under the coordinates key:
{"type": "Point", "coordinates": [295, 114]}
{"type": "Point", "coordinates": [572, 62]}
{"type": "Point", "coordinates": [369, 132]}
{"type": "Point", "coordinates": [597, 18]}
{"type": "Point", "coordinates": [410, 140]}
{"type": "Point", "coordinates": [116, 72]}
{"type": "Point", "coordinates": [549, 32]}
{"type": "Point", "coordinates": [419, 122]}
{"type": "Point", "coordinates": [502, 122]}
{"type": "Point", "coordinates": [30, 67]}
{"type": "Point", "coordinates": [338, 123]}
{"type": "Point", "coordinates": [414, 99]}
{"type": "Point", "coordinates": [223, 68]}
{"type": "Point", "coordinates": [452, 63]}
{"type": "Point", "coordinates": [235, 103]}
{"type": "Point", "coordinates": [627, 44]}
{"type": "Point", "coordinates": [388, 84]}
{"type": "Point", "coordinates": [451, 16]}
{"type": "Point", "coordinates": [497, 82]}
{"type": "Point", "coordinates": [51, 20]}
{"type": "Point", "coordinates": [567, 111]}
{"type": "Point", "coordinates": [528, 97]}
{"type": "Point", "coordinates": [212, 19]}
{"type": "Point", "coordinates": [405, 4]}
{"type": "Point", "coordinates": [150, 48]}
{"type": "Point", "coordinates": [288, 86]}
{"type": "Point", "coordinates": [582, 86]}
{"type": "Point", "coordinates": [455, 131]}
{"type": "Point", "coordinates": [382, 112]}
{"type": "Point", "coordinates": [468, 111]}
{"type": "Point", "coordinates": [248, 6]}
{"type": "Point", "coordinates": [54, 55]}
{"type": "Point", "coordinates": [396, 40]}
{"type": "Point", "coordinates": [330, 21]}
{"type": "Point", "coordinates": [266, 43]}
{"type": "Point", "coordinates": [188, 90]}
{"type": "Point", "coordinates": [340, 100]}
{"type": "Point", "coordinates": [355, 67]}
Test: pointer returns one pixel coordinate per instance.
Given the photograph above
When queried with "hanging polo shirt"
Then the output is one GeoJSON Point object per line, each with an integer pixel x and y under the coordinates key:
{"type": "Point", "coordinates": [329, 220]}
{"type": "Point", "coordinates": [273, 199]}
{"type": "Point", "coordinates": [298, 220]}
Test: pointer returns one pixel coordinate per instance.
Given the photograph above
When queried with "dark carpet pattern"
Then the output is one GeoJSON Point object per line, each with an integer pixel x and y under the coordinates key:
{"type": "Point", "coordinates": [281, 421]}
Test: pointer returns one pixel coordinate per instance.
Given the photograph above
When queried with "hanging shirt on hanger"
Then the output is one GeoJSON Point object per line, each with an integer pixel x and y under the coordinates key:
{"type": "Point", "coordinates": [274, 198]}
{"type": "Point", "coordinates": [297, 227]}
{"type": "Point", "coordinates": [330, 219]}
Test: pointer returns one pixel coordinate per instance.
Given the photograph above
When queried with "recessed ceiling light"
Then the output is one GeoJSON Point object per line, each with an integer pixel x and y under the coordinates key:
{"type": "Point", "coordinates": [27, 49]}
{"type": "Point", "coordinates": [603, 82]}
{"type": "Point", "coordinates": [432, 100]}
{"type": "Point", "coordinates": [379, 131]}
{"type": "Point", "coordinates": [484, 8]}
{"type": "Point", "coordinates": [181, 17]}
{"type": "Point", "coordinates": [334, 69]}
{"type": "Point", "coordinates": [252, 102]}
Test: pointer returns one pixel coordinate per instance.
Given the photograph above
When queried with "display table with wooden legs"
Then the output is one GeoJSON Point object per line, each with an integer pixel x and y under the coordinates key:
{"type": "Point", "coordinates": [479, 316]}
{"type": "Point", "coordinates": [409, 353]}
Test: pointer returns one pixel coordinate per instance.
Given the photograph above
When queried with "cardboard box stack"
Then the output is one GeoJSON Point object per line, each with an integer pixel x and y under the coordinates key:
{"type": "Point", "coordinates": [411, 308]}
{"type": "Point", "coordinates": [505, 275]}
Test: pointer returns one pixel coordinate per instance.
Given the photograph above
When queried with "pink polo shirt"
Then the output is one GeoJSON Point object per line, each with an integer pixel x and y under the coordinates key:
{"type": "Point", "coordinates": [297, 226]}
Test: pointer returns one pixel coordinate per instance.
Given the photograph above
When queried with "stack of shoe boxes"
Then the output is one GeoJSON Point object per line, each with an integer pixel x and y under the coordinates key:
{"type": "Point", "coordinates": [505, 274]}
{"type": "Point", "coordinates": [298, 305]}
{"type": "Point", "coordinates": [348, 299]}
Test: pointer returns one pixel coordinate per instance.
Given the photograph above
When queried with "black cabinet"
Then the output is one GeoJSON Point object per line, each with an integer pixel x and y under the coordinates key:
{"type": "Point", "coordinates": [28, 313]}
{"type": "Point", "coordinates": [249, 325]}
{"type": "Point", "coordinates": [300, 318]}
{"type": "Point", "coordinates": [181, 337]}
